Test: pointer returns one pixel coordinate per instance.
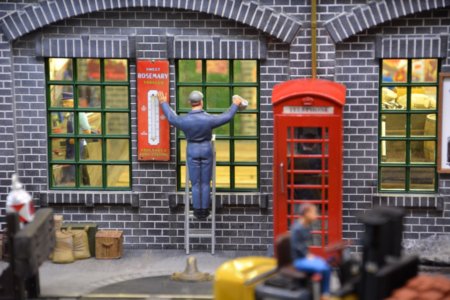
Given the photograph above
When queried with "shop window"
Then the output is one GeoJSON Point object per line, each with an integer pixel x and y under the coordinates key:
{"type": "Point", "coordinates": [237, 143]}
{"type": "Point", "coordinates": [407, 128]}
{"type": "Point", "coordinates": [88, 105]}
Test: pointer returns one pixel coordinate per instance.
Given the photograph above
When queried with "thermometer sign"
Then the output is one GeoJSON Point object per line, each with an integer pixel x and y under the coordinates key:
{"type": "Point", "coordinates": [153, 128]}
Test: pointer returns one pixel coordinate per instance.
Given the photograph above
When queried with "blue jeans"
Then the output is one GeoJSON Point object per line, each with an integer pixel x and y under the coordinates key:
{"type": "Point", "coordinates": [199, 161]}
{"type": "Point", "coordinates": [315, 265]}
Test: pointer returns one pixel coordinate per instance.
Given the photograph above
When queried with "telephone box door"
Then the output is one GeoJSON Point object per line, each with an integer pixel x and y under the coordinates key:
{"type": "Point", "coordinates": [308, 170]}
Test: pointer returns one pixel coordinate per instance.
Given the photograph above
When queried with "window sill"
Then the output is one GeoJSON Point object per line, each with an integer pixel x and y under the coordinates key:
{"type": "Point", "coordinates": [430, 201]}
{"type": "Point", "coordinates": [88, 198]}
{"type": "Point", "coordinates": [241, 199]}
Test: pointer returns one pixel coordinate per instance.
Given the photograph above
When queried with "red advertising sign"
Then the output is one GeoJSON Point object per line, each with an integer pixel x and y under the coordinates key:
{"type": "Point", "coordinates": [153, 127]}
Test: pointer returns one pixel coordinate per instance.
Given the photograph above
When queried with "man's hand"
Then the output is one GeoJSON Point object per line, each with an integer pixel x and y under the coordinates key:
{"type": "Point", "coordinates": [162, 97]}
{"type": "Point", "coordinates": [237, 100]}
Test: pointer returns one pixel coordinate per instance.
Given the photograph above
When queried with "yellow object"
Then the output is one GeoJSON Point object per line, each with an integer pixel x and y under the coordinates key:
{"type": "Point", "coordinates": [231, 277]}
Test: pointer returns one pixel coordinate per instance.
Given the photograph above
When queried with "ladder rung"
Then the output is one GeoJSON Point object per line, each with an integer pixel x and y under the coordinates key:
{"type": "Point", "coordinates": [200, 233]}
{"type": "Point", "coordinates": [192, 217]}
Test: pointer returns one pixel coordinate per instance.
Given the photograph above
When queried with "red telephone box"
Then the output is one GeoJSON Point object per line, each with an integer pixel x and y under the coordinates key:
{"type": "Point", "coordinates": [308, 156]}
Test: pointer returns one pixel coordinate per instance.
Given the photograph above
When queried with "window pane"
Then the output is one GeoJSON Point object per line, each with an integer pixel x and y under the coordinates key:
{"type": "Point", "coordinates": [89, 96]}
{"type": "Point", "coordinates": [116, 97]}
{"type": "Point", "coordinates": [393, 151]}
{"type": "Point", "coordinates": [91, 175]}
{"type": "Point", "coordinates": [62, 149]}
{"type": "Point", "coordinates": [89, 123]}
{"type": "Point", "coordinates": [393, 178]}
{"type": "Point", "coordinates": [61, 122]}
{"type": "Point", "coordinates": [189, 71]}
{"type": "Point", "coordinates": [424, 70]}
{"type": "Point", "coordinates": [218, 97]}
{"type": "Point", "coordinates": [246, 177]}
{"type": "Point", "coordinates": [222, 151]}
{"type": "Point", "coordinates": [245, 125]}
{"type": "Point", "coordinates": [245, 71]}
{"type": "Point", "coordinates": [60, 69]}
{"type": "Point", "coordinates": [63, 175]}
{"type": "Point", "coordinates": [222, 177]}
{"type": "Point", "coordinates": [248, 93]}
{"type": "Point", "coordinates": [182, 176]}
{"type": "Point", "coordinates": [117, 123]}
{"type": "Point", "coordinates": [393, 98]}
{"type": "Point", "coordinates": [183, 144]}
{"type": "Point", "coordinates": [393, 125]}
{"type": "Point", "coordinates": [117, 149]}
{"type": "Point", "coordinates": [245, 151]}
{"type": "Point", "coordinates": [223, 130]}
{"type": "Point", "coordinates": [423, 151]}
{"type": "Point", "coordinates": [422, 178]}
{"type": "Point", "coordinates": [116, 70]}
{"type": "Point", "coordinates": [423, 125]}
{"type": "Point", "coordinates": [183, 96]}
{"type": "Point", "coordinates": [88, 69]}
{"type": "Point", "coordinates": [61, 96]}
{"type": "Point", "coordinates": [217, 71]}
{"type": "Point", "coordinates": [118, 176]}
{"type": "Point", "coordinates": [90, 149]}
{"type": "Point", "coordinates": [423, 97]}
{"type": "Point", "coordinates": [395, 70]}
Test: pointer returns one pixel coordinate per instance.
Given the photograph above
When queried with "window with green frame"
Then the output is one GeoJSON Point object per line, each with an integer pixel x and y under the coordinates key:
{"type": "Point", "coordinates": [237, 143]}
{"type": "Point", "coordinates": [88, 109]}
{"type": "Point", "coordinates": [407, 125]}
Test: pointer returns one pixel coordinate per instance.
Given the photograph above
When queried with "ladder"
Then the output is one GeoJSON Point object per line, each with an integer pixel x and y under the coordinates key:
{"type": "Point", "coordinates": [189, 214]}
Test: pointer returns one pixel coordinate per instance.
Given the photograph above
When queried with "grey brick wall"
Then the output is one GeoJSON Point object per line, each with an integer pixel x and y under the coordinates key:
{"type": "Point", "coordinates": [149, 214]}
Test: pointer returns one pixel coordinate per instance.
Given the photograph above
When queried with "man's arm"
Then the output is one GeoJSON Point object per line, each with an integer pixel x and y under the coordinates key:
{"type": "Point", "coordinates": [228, 115]}
{"type": "Point", "coordinates": [168, 111]}
{"type": "Point", "coordinates": [83, 121]}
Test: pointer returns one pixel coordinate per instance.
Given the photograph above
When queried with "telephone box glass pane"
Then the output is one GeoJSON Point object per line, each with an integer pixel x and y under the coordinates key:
{"type": "Point", "coordinates": [393, 151]}
{"type": "Point", "coordinates": [117, 123]}
{"type": "Point", "coordinates": [61, 149]}
{"type": "Point", "coordinates": [217, 97]}
{"type": "Point", "coordinates": [63, 175]}
{"type": "Point", "coordinates": [223, 176]}
{"type": "Point", "coordinates": [393, 178]}
{"type": "Point", "coordinates": [62, 122]}
{"type": "Point", "coordinates": [393, 125]}
{"type": "Point", "coordinates": [61, 96]}
{"type": "Point", "coordinates": [89, 96]}
{"type": "Point", "coordinates": [423, 151]}
{"type": "Point", "coordinates": [307, 194]}
{"type": "Point", "coordinates": [117, 149]}
{"type": "Point", "coordinates": [424, 70]}
{"type": "Point", "coordinates": [245, 71]}
{"type": "Point", "coordinates": [245, 125]}
{"type": "Point", "coordinates": [423, 125]}
{"type": "Point", "coordinates": [393, 98]}
{"type": "Point", "coordinates": [423, 98]}
{"type": "Point", "coordinates": [246, 177]}
{"type": "Point", "coordinates": [217, 71]}
{"type": "Point", "coordinates": [222, 151]}
{"type": "Point", "coordinates": [183, 96]}
{"type": "Point", "coordinates": [118, 176]}
{"type": "Point", "coordinates": [116, 70]}
{"type": "Point", "coordinates": [88, 69]}
{"type": "Point", "coordinates": [89, 123]}
{"type": "Point", "coordinates": [395, 70]}
{"type": "Point", "coordinates": [190, 71]}
{"type": "Point", "coordinates": [245, 151]}
{"type": "Point", "coordinates": [422, 178]}
{"type": "Point", "coordinates": [116, 97]}
{"type": "Point", "coordinates": [60, 69]}
{"type": "Point", "coordinates": [90, 149]}
{"type": "Point", "coordinates": [91, 175]}
{"type": "Point", "coordinates": [248, 93]}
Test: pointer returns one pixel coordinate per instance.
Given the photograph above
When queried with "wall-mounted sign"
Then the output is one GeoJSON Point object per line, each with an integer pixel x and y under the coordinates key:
{"type": "Point", "coordinates": [153, 127]}
{"type": "Point", "coordinates": [444, 124]}
{"type": "Point", "coordinates": [308, 110]}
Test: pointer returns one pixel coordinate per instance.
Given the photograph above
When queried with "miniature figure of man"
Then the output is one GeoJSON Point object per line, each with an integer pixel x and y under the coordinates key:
{"type": "Point", "coordinates": [301, 239]}
{"type": "Point", "coordinates": [197, 126]}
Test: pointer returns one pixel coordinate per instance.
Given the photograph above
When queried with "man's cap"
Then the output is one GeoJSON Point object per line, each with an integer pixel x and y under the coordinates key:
{"type": "Point", "coordinates": [67, 96]}
{"type": "Point", "coordinates": [195, 96]}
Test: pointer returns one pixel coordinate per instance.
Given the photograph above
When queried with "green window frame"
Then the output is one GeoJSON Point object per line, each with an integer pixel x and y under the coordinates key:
{"type": "Point", "coordinates": [237, 143]}
{"type": "Point", "coordinates": [93, 96]}
{"type": "Point", "coordinates": [407, 131]}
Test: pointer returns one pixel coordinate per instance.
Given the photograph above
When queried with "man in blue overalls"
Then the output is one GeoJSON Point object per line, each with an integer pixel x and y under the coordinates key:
{"type": "Point", "coordinates": [197, 126]}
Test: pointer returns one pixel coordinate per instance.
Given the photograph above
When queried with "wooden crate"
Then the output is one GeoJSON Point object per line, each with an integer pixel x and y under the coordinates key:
{"type": "Point", "coordinates": [108, 244]}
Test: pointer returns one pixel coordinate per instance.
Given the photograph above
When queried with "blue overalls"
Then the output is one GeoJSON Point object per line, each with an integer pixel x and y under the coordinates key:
{"type": "Point", "coordinates": [197, 126]}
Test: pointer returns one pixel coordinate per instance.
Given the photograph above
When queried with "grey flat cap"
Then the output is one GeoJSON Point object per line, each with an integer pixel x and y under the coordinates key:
{"type": "Point", "coordinates": [195, 96]}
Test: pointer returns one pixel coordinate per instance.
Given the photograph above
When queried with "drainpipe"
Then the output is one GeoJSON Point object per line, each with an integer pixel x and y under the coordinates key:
{"type": "Point", "coordinates": [313, 38]}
